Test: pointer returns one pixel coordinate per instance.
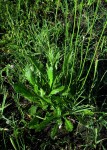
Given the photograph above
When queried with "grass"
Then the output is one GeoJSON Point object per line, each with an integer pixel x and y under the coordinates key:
{"type": "Point", "coordinates": [53, 75]}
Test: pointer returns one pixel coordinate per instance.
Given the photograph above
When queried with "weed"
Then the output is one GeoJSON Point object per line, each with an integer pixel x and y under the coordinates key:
{"type": "Point", "coordinates": [54, 73]}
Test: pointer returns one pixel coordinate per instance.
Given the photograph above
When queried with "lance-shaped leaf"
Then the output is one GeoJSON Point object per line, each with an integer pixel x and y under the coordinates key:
{"type": "Point", "coordinates": [39, 66]}
{"type": "Point", "coordinates": [50, 75]}
{"type": "Point", "coordinates": [21, 89]}
{"type": "Point", "coordinates": [40, 126]}
{"type": "Point", "coordinates": [68, 125]}
{"type": "Point", "coordinates": [29, 75]}
{"type": "Point", "coordinates": [57, 112]}
{"type": "Point", "coordinates": [54, 131]}
{"type": "Point", "coordinates": [55, 91]}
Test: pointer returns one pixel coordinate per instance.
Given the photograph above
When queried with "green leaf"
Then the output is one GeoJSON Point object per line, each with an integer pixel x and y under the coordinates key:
{"type": "Point", "coordinates": [55, 91]}
{"type": "Point", "coordinates": [21, 89]}
{"type": "Point", "coordinates": [29, 75]}
{"type": "Point", "coordinates": [42, 125]}
{"type": "Point", "coordinates": [39, 66]}
{"type": "Point", "coordinates": [33, 123]}
{"type": "Point", "coordinates": [66, 92]}
{"type": "Point", "coordinates": [32, 110]}
{"type": "Point", "coordinates": [68, 125]}
{"type": "Point", "coordinates": [43, 104]}
{"type": "Point", "coordinates": [42, 92]}
{"type": "Point", "coordinates": [36, 90]}
{"type": "Point", "coordinates": [54, 131]}
{"type": "Point", "coordinates": [90, 2]}
{"type": "Point", "coordinates": [58, 112]}
{"type": "Point", "coordinates": [59, 122]}
{"type": "Point", "coordinates": [50, 75]}
{"type": "Point", "coordinates": [88, 112]}
{"type": "Point", "coordinates": [46, 99]}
